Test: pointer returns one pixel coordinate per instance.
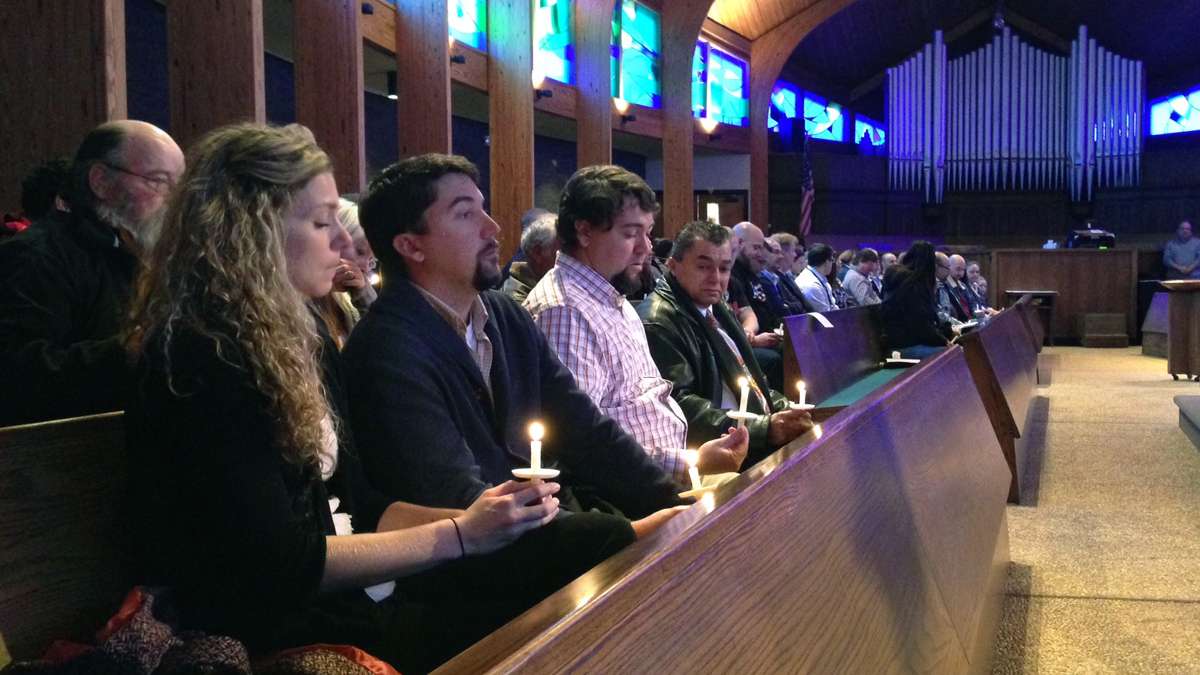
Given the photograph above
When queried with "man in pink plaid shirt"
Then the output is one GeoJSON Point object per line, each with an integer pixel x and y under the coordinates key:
{"type": "Point", "coordinates": [604, 221]}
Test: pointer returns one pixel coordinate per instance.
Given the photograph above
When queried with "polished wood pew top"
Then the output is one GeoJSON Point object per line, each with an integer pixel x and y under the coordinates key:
{"type": "Point", "coordinates": [841, 364]}
{"type": "Point", "coordinates": [61, 572]}
{"type": "Point", "coordinates": [877, 543]}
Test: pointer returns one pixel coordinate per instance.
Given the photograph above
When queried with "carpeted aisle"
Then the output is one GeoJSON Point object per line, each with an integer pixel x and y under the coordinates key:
{"type": "Point", "coordinates": [1106, 551]}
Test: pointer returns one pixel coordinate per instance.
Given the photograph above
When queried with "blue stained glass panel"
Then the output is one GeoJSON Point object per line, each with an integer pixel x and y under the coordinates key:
{"type": "Point", "coordinates": [636, 54]}
{"type": "Point", "coordinates": [865, 126]}
{"type": "Point", "coordinates": [823, 120]}
{"type": "Point", "coordinates": [468, 22]}
{"type": "Point", "coordinates": [552, 52]}
{"type": "Point", "coordinates": [783, 106]}
{"type": "Point", "coordinates": [1175, 114]}
{"type": "Point", "coordinates": [727, 88]}
{"type": "Point", "coordinates": [700, 80]}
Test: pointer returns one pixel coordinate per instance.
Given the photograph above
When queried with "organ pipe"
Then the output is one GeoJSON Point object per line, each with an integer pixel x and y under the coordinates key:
{"type": "Point", "coordinates": [1010, 116]}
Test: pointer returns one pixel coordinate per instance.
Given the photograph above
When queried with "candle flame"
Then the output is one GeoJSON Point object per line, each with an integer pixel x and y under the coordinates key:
{"type": "Point", "coordinates": [800, 385]}
{"type": "Point", "coordinates": [743, 382]}
{"type": "Point", "coordinates": [536, 431]}
{"type": "Point", "coordinates": [691, 457]}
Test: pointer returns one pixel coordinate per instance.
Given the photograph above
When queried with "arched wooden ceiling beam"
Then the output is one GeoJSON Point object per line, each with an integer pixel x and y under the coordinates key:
{"type": "Point", "coordinates": [768, 54]}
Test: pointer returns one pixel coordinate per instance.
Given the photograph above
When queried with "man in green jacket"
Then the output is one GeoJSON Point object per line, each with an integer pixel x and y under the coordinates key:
{"type": "Point", "coordinates": [699, 346]}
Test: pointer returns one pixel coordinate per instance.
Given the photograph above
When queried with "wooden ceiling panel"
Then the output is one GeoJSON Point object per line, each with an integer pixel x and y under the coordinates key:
{"type": "Point", "coordinates": [753, 18]}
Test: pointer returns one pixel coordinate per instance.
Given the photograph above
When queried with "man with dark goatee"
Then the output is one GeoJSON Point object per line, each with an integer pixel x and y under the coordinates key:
{"type": "Point", "coordinates": [65, 286]}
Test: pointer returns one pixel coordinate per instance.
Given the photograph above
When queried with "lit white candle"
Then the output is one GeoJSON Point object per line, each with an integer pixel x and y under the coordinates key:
{"type": "Point", "coordinates": [745, 386]}
{"type": "Point", "coordinates": [691, 457]}
{"type": "Point", "coordinates": [895, 356]}
{"type": "Point", "coordinates": [801, 392]}
{"type": "Point", "coordinates": [536, 432]}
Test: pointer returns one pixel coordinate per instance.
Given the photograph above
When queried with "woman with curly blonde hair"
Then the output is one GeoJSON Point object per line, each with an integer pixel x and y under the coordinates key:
{"type": "Point", "coordinates": [244, 477]}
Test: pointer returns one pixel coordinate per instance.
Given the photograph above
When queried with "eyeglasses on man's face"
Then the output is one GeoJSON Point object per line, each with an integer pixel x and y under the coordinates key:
{"type": "Point", "coordinates": [160, 183]}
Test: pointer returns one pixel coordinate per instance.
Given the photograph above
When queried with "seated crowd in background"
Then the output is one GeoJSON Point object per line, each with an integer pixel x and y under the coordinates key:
{"type": "Point", "coordinates": [357, 486]}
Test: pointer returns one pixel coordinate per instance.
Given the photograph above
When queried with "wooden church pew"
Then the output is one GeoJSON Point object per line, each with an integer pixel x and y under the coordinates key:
{"type": "Point", "coordinates": [841, 364]}
{"type": "Point", "coordinates": [1003, 363]}
{"type": "Point", "coordinates": [61, 573]}
{"type": "Point", "coordinates": [878, 543]}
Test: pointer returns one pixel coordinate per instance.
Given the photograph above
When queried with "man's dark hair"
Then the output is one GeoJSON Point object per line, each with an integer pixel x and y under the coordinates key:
{"type": "Point", "coordinates": [596, 194]}
{"type": "Point", "coordinates": [42, 185]}
{"type": "Point", "coordinates": [819, 254]}
{"type": "Point", "coordinates": [102, 144]}
{"type": "Point", "coordinates": [397, 199]}
{"type": "Point", "coordinates": [698, 230]}
{"type": "Point", "coordinates": [866, 255]}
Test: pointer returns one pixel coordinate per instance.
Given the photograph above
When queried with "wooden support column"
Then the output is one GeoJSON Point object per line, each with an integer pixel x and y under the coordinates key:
{"type": "Point", "coordinates": [592, 26]}
{"type": "Point", "coordinates": [681, 22]}
{"type": "Point", "coordinates": [423, 76]}
{"type": "Point", "coordinates": [510, 96]}
{"type": "Point", "coordinates": [768, 54]}
{"type": "Point", "coordinates": [215, 57]}
{"type": "Point", "coordinates": [329, 84]}
{"type": "Point", "coordinates": [62, 72]}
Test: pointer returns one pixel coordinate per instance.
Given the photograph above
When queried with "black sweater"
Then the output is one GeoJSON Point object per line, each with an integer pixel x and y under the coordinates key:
{"type": "Point", "coordinates": [221, 517]}
{"type": "Point", "coordinates": [431, 433]}
{"type": "Point", "coordinates": [909, 311]}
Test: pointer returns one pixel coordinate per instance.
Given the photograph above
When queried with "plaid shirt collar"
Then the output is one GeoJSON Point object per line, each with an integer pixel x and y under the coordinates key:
{"type": "Point", "coordinates": [588, 280]}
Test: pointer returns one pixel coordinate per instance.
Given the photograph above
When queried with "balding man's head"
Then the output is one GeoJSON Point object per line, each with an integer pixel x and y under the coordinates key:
{"type": "Point", "coordinates": [1184, 231]}
{"type": "Point", "coordinates": [942, 265]}
{"type": "Point", "coordinates": [753, 250]}
{"type": "Point", "coordinates": [958, 267]}
{"type": "Point", "coordinates": [124, 171]}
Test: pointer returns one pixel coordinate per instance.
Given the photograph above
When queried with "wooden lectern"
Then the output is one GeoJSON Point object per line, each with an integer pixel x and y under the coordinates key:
{"type": "Point", "coordinates": [1183, 327]}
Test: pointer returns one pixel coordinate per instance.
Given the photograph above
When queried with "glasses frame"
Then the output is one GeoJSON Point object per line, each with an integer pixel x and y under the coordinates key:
{"type": "Point", "coordinates": [158, 184]}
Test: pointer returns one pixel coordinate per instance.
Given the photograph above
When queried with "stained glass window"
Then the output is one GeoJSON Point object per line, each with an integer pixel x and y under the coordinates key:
{"type": "Point", "coordinates": [552, 52]}
{"type": "Point", "coordinates": [783, 105]}
{"type": "Point", "coordinates": [719, 86]}
{"type": "Point", "coordinates": [1175, 114]}
{"type": "Point", "coordinates": [823, 119]}
{"type": "Point", "coordinates": [468, 22]}
{"type": "Point", "coordinates": [636, 54]}
{"type": "Point", "coordinates": [865, 126]}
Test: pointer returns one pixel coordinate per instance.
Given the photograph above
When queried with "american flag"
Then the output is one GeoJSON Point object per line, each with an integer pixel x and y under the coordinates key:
{"type": "Point", "coordinates": [808, 193]}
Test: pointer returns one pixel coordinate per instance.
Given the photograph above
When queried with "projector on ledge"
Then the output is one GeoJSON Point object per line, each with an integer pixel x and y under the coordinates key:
{"type": "Point", "coordinates": [1091, 238]}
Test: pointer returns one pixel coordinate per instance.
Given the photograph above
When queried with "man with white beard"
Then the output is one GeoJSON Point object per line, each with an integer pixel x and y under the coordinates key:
{"type": "Point", "coordinates": [65, 284]}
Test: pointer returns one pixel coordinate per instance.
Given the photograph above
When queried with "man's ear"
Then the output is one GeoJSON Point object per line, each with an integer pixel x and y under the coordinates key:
{"type": "Point", "coordinates": [583, 232]}
{"type": "Point", "coordinates": [409, 248]}
{"type": "Point", "coordinates": [672, 263]}
{"type": "Point", "coordinates": [99, 181]}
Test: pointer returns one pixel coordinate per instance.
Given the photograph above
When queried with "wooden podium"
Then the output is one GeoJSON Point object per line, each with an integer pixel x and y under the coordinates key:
{"type": "Point", "coordinates": [1183, 327]}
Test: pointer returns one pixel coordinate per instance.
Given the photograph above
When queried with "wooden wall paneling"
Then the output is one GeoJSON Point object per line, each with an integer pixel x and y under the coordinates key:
{"type": "Point", "coordinates": [646, 122]}
{"type": "Point", "coordinates": [592, 26]}
{"type": "Point", "coordinates": [726, 137]}
{"type": "Point", "coordinates": [1087, 281]}
{"type": "Point", "coordinates": [215, 56]}
{"type": "Point", "coordinates": [681, 22]}
{"type": "Point", "coordinates": [510, 101]}
{"type": "Point", "coordinates": [563, 100]}
{"type": "Point", "coordinates": [64, 63]}
{"type": "Point", "coordinates": [422, 47]}
{"type": "Point", "coordinates": [329, 84]}
{"type": "Point", "coordinates": [473, 69]}
{"type": "Point", "coordinates": [379, 27]}
{"type": "Point", "coordinates": [768, 54]}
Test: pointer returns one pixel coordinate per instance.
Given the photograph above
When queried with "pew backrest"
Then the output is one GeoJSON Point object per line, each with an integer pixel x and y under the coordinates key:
{"type": "Point", "coordinates": [832, 359]}
{"type": "Point", "coordinates": [1033, 323]}
{"type": "Point", "coordinates": [61, 570]}
{"type": "Point", "coordinates": [877, 543]}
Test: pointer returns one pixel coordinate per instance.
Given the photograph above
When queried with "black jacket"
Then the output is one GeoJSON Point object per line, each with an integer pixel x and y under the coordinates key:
{"type": "Point", "coordinates": [697, 361]}
{"type": "Point", "coordinates": [430, 433]}
{"type": "Point", "coordinates": [758, 294]}
{"type": "Point", "coordinates": [909, 312]}
{"type": "Point", "coordinates": [64, 289]}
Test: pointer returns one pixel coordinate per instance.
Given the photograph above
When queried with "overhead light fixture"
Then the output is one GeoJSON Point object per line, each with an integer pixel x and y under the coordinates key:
{"type": "Point", "coordinates": [709, 125]}
{"type": "Point", "coordinates": [455, 58]}
{"type": "Point", "coordinates": [539, 78]}
{"type": "Point", "coordinates": [391, 85]}
{"type": "Point", "coordinates": [622, 107]}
